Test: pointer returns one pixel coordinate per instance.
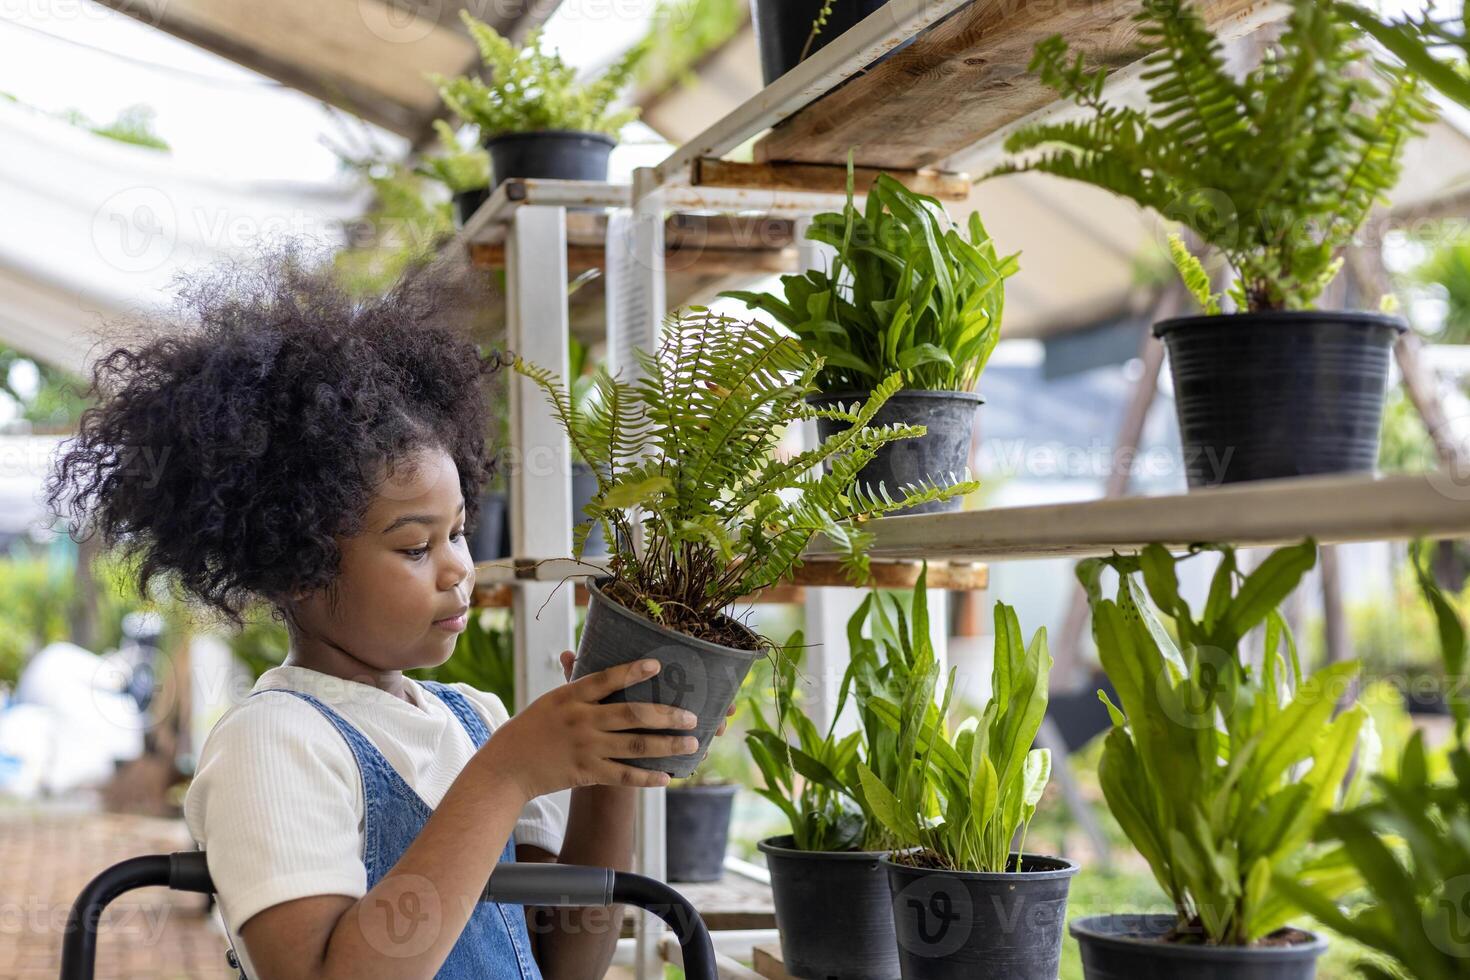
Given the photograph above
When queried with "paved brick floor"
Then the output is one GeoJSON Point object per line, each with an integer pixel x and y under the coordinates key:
{"type": "Point", "coordinates": [47, 854]}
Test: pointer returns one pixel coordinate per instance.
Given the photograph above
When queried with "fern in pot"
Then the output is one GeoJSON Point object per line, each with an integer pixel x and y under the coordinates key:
{"type": "Point", "coordinates": [1221, 767]}
{"type": "Point", "coordinates": [1276, 171]}
{"type": "Point", "coordinates": [907, 293]}
{"type": "Point", "coordinates": [830, 889]}
{"type": "Point", "coordinates": [534, 116]}
{"type": "Point", "coordinates": [685, 456]}
{"type": "Point", "coordinates": [464, 170]}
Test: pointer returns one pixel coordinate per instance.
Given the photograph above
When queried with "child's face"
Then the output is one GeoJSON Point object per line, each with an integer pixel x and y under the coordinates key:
{"type": "Point", "coordinates": [406, 577]}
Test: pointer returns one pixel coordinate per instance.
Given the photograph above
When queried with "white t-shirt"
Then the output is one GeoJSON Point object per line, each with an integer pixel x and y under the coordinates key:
{"type": "Point", "coordinates": [276, 801]}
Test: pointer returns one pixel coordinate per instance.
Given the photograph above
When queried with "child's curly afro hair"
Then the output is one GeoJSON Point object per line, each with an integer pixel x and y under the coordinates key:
{"type": "Point", "coordinates": [227, 451]}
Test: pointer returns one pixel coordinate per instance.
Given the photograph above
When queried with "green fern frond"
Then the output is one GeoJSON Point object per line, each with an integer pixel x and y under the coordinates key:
{"type": "Point", "coordinates": [1196, 279]}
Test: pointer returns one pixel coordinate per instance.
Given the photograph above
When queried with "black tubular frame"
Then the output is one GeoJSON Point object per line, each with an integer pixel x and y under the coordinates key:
{"type": "Point", "coordinates": [188, 871]}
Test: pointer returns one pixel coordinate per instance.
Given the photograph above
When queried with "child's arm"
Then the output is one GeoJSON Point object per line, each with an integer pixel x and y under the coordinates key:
{"type": "Point", "coordinates": [406, 924]}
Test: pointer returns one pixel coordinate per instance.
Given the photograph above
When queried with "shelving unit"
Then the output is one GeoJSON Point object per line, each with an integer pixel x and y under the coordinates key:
{"type": "Point", "coordinates": [923, 89]}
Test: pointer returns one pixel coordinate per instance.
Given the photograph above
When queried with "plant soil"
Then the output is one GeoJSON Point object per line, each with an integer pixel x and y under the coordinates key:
{"type": "Point", "coordinates": [1192, 937]}
{"type": "Point", "coordinates": [722, 630]}
{"type": "Point", "coordinates": [931, 860]}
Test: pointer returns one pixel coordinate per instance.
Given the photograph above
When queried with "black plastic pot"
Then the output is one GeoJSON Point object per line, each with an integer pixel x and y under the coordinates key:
{"type": "Point", "coordinates": [553, 154]}
{"type": "Point", "coordinates": [697, 675]}
{"type": "Point", "coordinates": [1128, 947]}
{"type": "Point", "coordinates": [697, 831]}
{"type": "Point", "coordinates": [941, 454]}
{"type": "Point", "coordinates": [1263, 396]}
{"type": "Point", "coordinates": [782, 28]}
{"type": "Point", "coordinates": [962, 925]}
{"type": "Point", "coordinates": [466, 203]}
{"type": "Point", "coordinates": [834, 911]}
{"type": "Point", "coordinates": [491, 538]}
{"type": "Point", "coordinates": [584, 488]}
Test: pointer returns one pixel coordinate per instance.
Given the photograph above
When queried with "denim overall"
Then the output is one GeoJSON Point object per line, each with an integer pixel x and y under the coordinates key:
{"type": "Point", "coordinates": [495, 942]}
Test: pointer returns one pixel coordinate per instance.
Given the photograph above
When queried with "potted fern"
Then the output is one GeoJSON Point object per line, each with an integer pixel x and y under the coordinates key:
{"type": "Point", "coordinates": [907, 293]}
{"type": "Point", "coordinates": [829, 886]}
{"type": "Point", "coordinates": [464, 170]}
{"type": "Point", "coordinates": [535, 118]}
{"type": "Point", "coordinates": [968, 900]}
{"type": "Point", "coordinates": [685, 458]}
{"type": "Point", "coordinates": [1276, 171]}
{"type": "Point", "coordinates": [1220, 767]}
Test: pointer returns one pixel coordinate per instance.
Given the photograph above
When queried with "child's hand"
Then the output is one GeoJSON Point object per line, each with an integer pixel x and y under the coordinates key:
{"type": "Point", "coordinates": [569, 660]}
{"type": "Point", "coordinates": [565, 738]}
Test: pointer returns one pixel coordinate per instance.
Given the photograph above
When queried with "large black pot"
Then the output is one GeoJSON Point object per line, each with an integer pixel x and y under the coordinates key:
{"type": "Point", "coordinates": [553, 154]}
{"type": "Point", "coordinates": [466, 203]}
{"type": "Point", "coordinates": [834, 911]}
{"type": "Point", "coordinates": [940, 454]}
{"type": "Point", "coordinates": [697, 675]}
{"type": "Point", "coordinates": [971, 925]}
{"type": "Point", "coordinates": [1129, 947]}
{"type": "Point", "coordinates": [782, 28]}
{"type": "Point", "coordinates": [697, 831]}
{"type": "Point", "coordinates": [1288, 393]}
{"type": "Point", "coordinates": [584, 488]}
{"type": "Point", "coordinates": [491, 537]}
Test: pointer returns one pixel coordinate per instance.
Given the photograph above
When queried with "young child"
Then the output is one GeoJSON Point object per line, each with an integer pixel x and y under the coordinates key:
{"type": "Point", "coordinates": [282, 445]}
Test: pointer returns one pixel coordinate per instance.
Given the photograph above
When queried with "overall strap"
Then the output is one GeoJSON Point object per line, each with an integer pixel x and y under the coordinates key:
{"type": "Point", "coordinates": [473, 724]}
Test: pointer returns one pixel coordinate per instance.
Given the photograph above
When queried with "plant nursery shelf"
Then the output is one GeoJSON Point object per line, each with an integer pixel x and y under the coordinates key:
{"type": "Point", "coordinates": [1331, 509]}
{"type": "Point", "coordinates": [920, 81]}
{"type": "Point", "coordinates": [494, 586]}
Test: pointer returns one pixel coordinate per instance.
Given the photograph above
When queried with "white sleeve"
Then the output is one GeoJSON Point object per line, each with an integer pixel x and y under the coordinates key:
{"type": "Point", "coordinates": [543, 822]}
{"type": "Point", "coordinates": [276, 804]}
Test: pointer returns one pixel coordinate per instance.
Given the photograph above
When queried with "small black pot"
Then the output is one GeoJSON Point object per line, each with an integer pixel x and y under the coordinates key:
{"type": "Point", "coordinates": [1128, 947]}
{"type": "Point", "coordinates": [1262, 396]}
{"type": "Point", "coordinates": [491, 539]}
{"type": "Point", "coordinates": [553, 154]}
{"type": "Point", "coordinates": [697, 675]}
{"type": "Point", "coordinates": [697, 831]}
{"type": "Point", "coordinates": [466, 203]}
{"type": "Point", "coordinates": [971, 925]}
{"type": "Point", "coordinates": [943, 451]}
{"type": "Point", "coordinates": [782, 28]}
{"type": "Point", "coordinates": [584, 488]}
{"type": "Point", "coordinates": [834, 911]}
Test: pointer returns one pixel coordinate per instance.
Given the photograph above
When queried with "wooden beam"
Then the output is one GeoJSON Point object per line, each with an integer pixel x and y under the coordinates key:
{"type": "Point", "coordinates": [689, 259]}
{"type": "Point", "coordinates": [823, 178]}
{"type": "Point", "coordinates": [965, 78]}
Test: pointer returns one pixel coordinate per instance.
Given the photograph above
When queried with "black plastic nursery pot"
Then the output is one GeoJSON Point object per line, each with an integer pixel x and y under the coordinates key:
{"type": "Point", "coordinates": [697, 831]}
{"type": "Point", "coordinates": [782, 28]}
{"type": "Point", "coordinates": [1133, 947]}
{"type": "Point", "coordinates": [942, 452]}
{"type": "Point", "coordinates": [552, 154]}
{"type": "Point", "coordinates": [584, 488]}
{"type": "Point", "coordinates": [697, 675]}
{"type": "Point", "coordinates": [834, 912]}
{"type": "Point", "coordinates": [466, 203]}
{"type": "Point", "coordinates": [975, 925]}
{"type": "Point", "coordinates": [1277, 394]}
{"type": "Point", "coordinates": [491, 538]}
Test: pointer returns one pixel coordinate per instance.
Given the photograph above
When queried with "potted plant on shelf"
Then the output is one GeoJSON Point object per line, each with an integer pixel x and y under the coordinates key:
{"type": "Point", "coordinates": [465, 170]}
{"type": "Point", "coordinates": [787, 32]}
{"type": "Point", "coordinates": [697, 510]}
{"type": "Point", "coordinates": [968, 900]}
{"type": "Point", "coordinates": [1277, 171]}
{"type": "Point", "coordinates": [1220, 772]}
{"type": "Point", "coordinates": [906, 293]}
{"type": "Point", "coordinates": [534, 116]}
{"type": "Point", "coordinates": [582, 370]}
{"type": "Point", "coordinates": [1411, 844]}
{"type": "Point", "coordinates": [829, 887]}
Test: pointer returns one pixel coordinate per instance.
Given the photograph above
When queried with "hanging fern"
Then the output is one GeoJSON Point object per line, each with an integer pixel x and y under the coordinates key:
{"type": "Point", "coordinates": [688, 451]}
{"type": "Point", "coordinates": [1277, 170]}
{"type": "Point", "coordinates": [531, 90]}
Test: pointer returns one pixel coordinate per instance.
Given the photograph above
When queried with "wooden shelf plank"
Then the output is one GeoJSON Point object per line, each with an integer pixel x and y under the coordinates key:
{"type": "Point", "coordinates": [966, 78]}
{"type": "Point", "coordinates": [1332, 509]}
{"type": "Point", "coordinates": [822, 178]}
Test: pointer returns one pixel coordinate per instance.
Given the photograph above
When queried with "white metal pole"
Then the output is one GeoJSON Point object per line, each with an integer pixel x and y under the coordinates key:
{"type": "Point", "coordinates": [540, 457]}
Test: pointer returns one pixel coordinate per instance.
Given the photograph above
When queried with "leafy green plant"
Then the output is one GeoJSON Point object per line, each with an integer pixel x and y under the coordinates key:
{"type": "Point", "coordinates": [458, 167]}
{"type": "Point", "coordinates": [681, 33]}
{"type": "Point", "coordinates": [906, 292]}
{"type": "Point", "coordinates": [987, 778]}
{"type": "Point", "coordinates": [688, 451]}
{"type": "Point", "coordinates": [1412, 844]}
{"type": "Point", "coordinates": [1420, 42]}
{"type": "Point", "coordinates": [1219, 772]}
{"type": "Point", "coordinates": [531, 90]}
{"type": "Point", "coordinates": [1276, 170]}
